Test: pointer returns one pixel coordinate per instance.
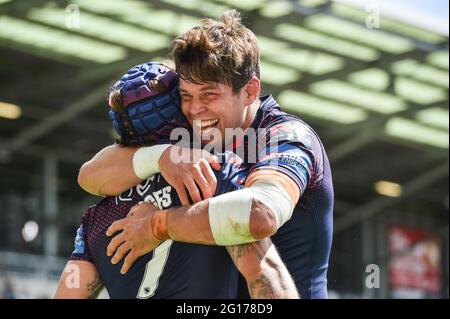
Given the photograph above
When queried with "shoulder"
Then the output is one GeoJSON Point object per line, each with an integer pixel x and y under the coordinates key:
{"type": "Point", "coordinates": [291, 130]}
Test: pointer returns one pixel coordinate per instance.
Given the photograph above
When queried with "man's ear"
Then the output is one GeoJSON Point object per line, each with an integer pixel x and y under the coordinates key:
{"type": "Point", "coordinates": [251, 90]}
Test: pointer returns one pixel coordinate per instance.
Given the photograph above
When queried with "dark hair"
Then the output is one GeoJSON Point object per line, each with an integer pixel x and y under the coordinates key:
{"type": "Point", "coordinates": [222, 51]}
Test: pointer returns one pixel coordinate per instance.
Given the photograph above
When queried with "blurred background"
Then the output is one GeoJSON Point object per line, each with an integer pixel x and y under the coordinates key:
{"type": "Point", "coordinates": [371, 77]}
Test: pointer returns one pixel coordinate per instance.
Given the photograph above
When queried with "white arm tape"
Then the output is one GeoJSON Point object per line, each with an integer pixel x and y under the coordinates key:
{"type": "Point", "coordinates": [229, 217]}
{"type": "Point", "coordinates": [274, 196]}
{"type": "Point", "coordinates": [229, 214]}
{"type": "Point", "coordinates": [145, 160]}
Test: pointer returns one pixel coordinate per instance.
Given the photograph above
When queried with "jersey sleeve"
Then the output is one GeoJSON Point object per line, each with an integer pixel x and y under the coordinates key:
{"type": "Point", "coordinates": [290, 150]}
{"type": "Point", "coordinates": [81, 248]}
{"type": "Point", "coordinates": [291, 160]}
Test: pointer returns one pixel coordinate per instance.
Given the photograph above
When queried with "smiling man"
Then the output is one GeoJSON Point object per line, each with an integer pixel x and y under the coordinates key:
{"type": "Point", "coordinates": [145, 109]}
{"type": "Point", "coordinates": [288, 193]}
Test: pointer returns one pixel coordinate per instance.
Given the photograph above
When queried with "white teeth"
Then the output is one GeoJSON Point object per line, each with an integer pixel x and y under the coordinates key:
{"type": "Point", "coordinates": [209, 123]}
{"type": "Point", "coordinates": [205, 123]}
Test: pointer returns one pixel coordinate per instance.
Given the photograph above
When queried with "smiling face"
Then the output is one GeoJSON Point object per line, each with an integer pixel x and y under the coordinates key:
{"type": "Point", "coordinates": [218, 66]}
{"type": "Point", "coordinates": [212, 105]}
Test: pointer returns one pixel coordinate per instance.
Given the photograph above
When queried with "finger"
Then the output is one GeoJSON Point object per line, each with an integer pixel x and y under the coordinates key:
{"type": "Point", "coordinates": [120, 253]}
{"type": "Point", "coordinates": [115, 243]}
{"type": "Point", "coordinates": [213, 160]}
{"type": "Point", "coordinates": [118, 225]}
{"type": "Point", "coordinates": [210, 178]}
{"type": "Point", "coordinates": [129, 261]}
{"type": "Point", "coordinates": [202, 182]}
{"type": "Point", "coordinates": [193, 190]}
{"type": "Point", "coordinates": [183, 195]}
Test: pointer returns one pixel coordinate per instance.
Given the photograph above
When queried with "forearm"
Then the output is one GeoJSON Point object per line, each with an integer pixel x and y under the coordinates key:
{"type": "Point", "coordinates": [266, 275]}
{"type": "Point", "coordinates": [192, 225]}
{"type": "Point", "coordinates": [79, 280]}
{"type": "Point", "coordinates": [233, 218]}
{"type": "Point", "coordinates": [110, 172]}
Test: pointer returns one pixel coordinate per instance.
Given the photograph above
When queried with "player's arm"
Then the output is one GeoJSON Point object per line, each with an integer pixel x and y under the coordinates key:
{"type": "Point", "coordinates": [234, 218]}
{"type": "Point", "coordinates": [109, 172]}
{"type": "Point", "coordinates": [265, 273]}
{"type": "Point", "coordinates": [117, 168]}
{"type": "Point", "coordinates": [79, 280]}
{"type": "Point", "coordinates": [272, 190]}
{"type": "Point", "coordinates": [238, 217]}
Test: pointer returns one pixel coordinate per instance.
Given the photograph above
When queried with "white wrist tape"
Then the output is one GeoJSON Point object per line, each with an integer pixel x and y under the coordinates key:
{"type": "Point", "coordinates": [229, 214]}
{"type": "Point", "coordinates": [146, 160]}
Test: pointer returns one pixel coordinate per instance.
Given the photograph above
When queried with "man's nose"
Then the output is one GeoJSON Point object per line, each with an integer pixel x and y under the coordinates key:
{"type": "Point", "coordinates": [196, 107]}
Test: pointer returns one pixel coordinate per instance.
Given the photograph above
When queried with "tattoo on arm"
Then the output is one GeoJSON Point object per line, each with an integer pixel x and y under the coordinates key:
{"type": "Point", "coordinates": [261, 288]}
{"type": "Point", "coordinates": [95, 287]}
{"type": "Point", "coordinates": [266, 275]}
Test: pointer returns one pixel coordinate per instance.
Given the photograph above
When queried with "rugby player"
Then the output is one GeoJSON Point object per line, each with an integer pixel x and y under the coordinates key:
{"type": "Point", "coordinates": [288, 193]}
{"type": "Point", "coordinates": [145, 109]}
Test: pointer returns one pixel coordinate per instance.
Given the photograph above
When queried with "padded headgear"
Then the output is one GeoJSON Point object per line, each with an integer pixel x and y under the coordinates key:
{"type": "Point", "coordinates": [152, 106]}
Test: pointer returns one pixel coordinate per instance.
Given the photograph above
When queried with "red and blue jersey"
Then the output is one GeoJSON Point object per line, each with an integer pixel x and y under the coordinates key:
{"type": "Point", "coordinates": [290, 146]}
{"type": "Point", "coordinates": [173, 269]}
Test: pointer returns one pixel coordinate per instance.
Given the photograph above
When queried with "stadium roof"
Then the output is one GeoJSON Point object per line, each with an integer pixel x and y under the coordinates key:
{"type": "Point", "coordinates": [375, 89]}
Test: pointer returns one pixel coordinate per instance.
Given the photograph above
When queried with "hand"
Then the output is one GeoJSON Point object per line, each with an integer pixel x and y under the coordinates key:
{"type": "Point", "coordinates": [136, 238]}
{"type": "Point", "coordinates": [190, 169]}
